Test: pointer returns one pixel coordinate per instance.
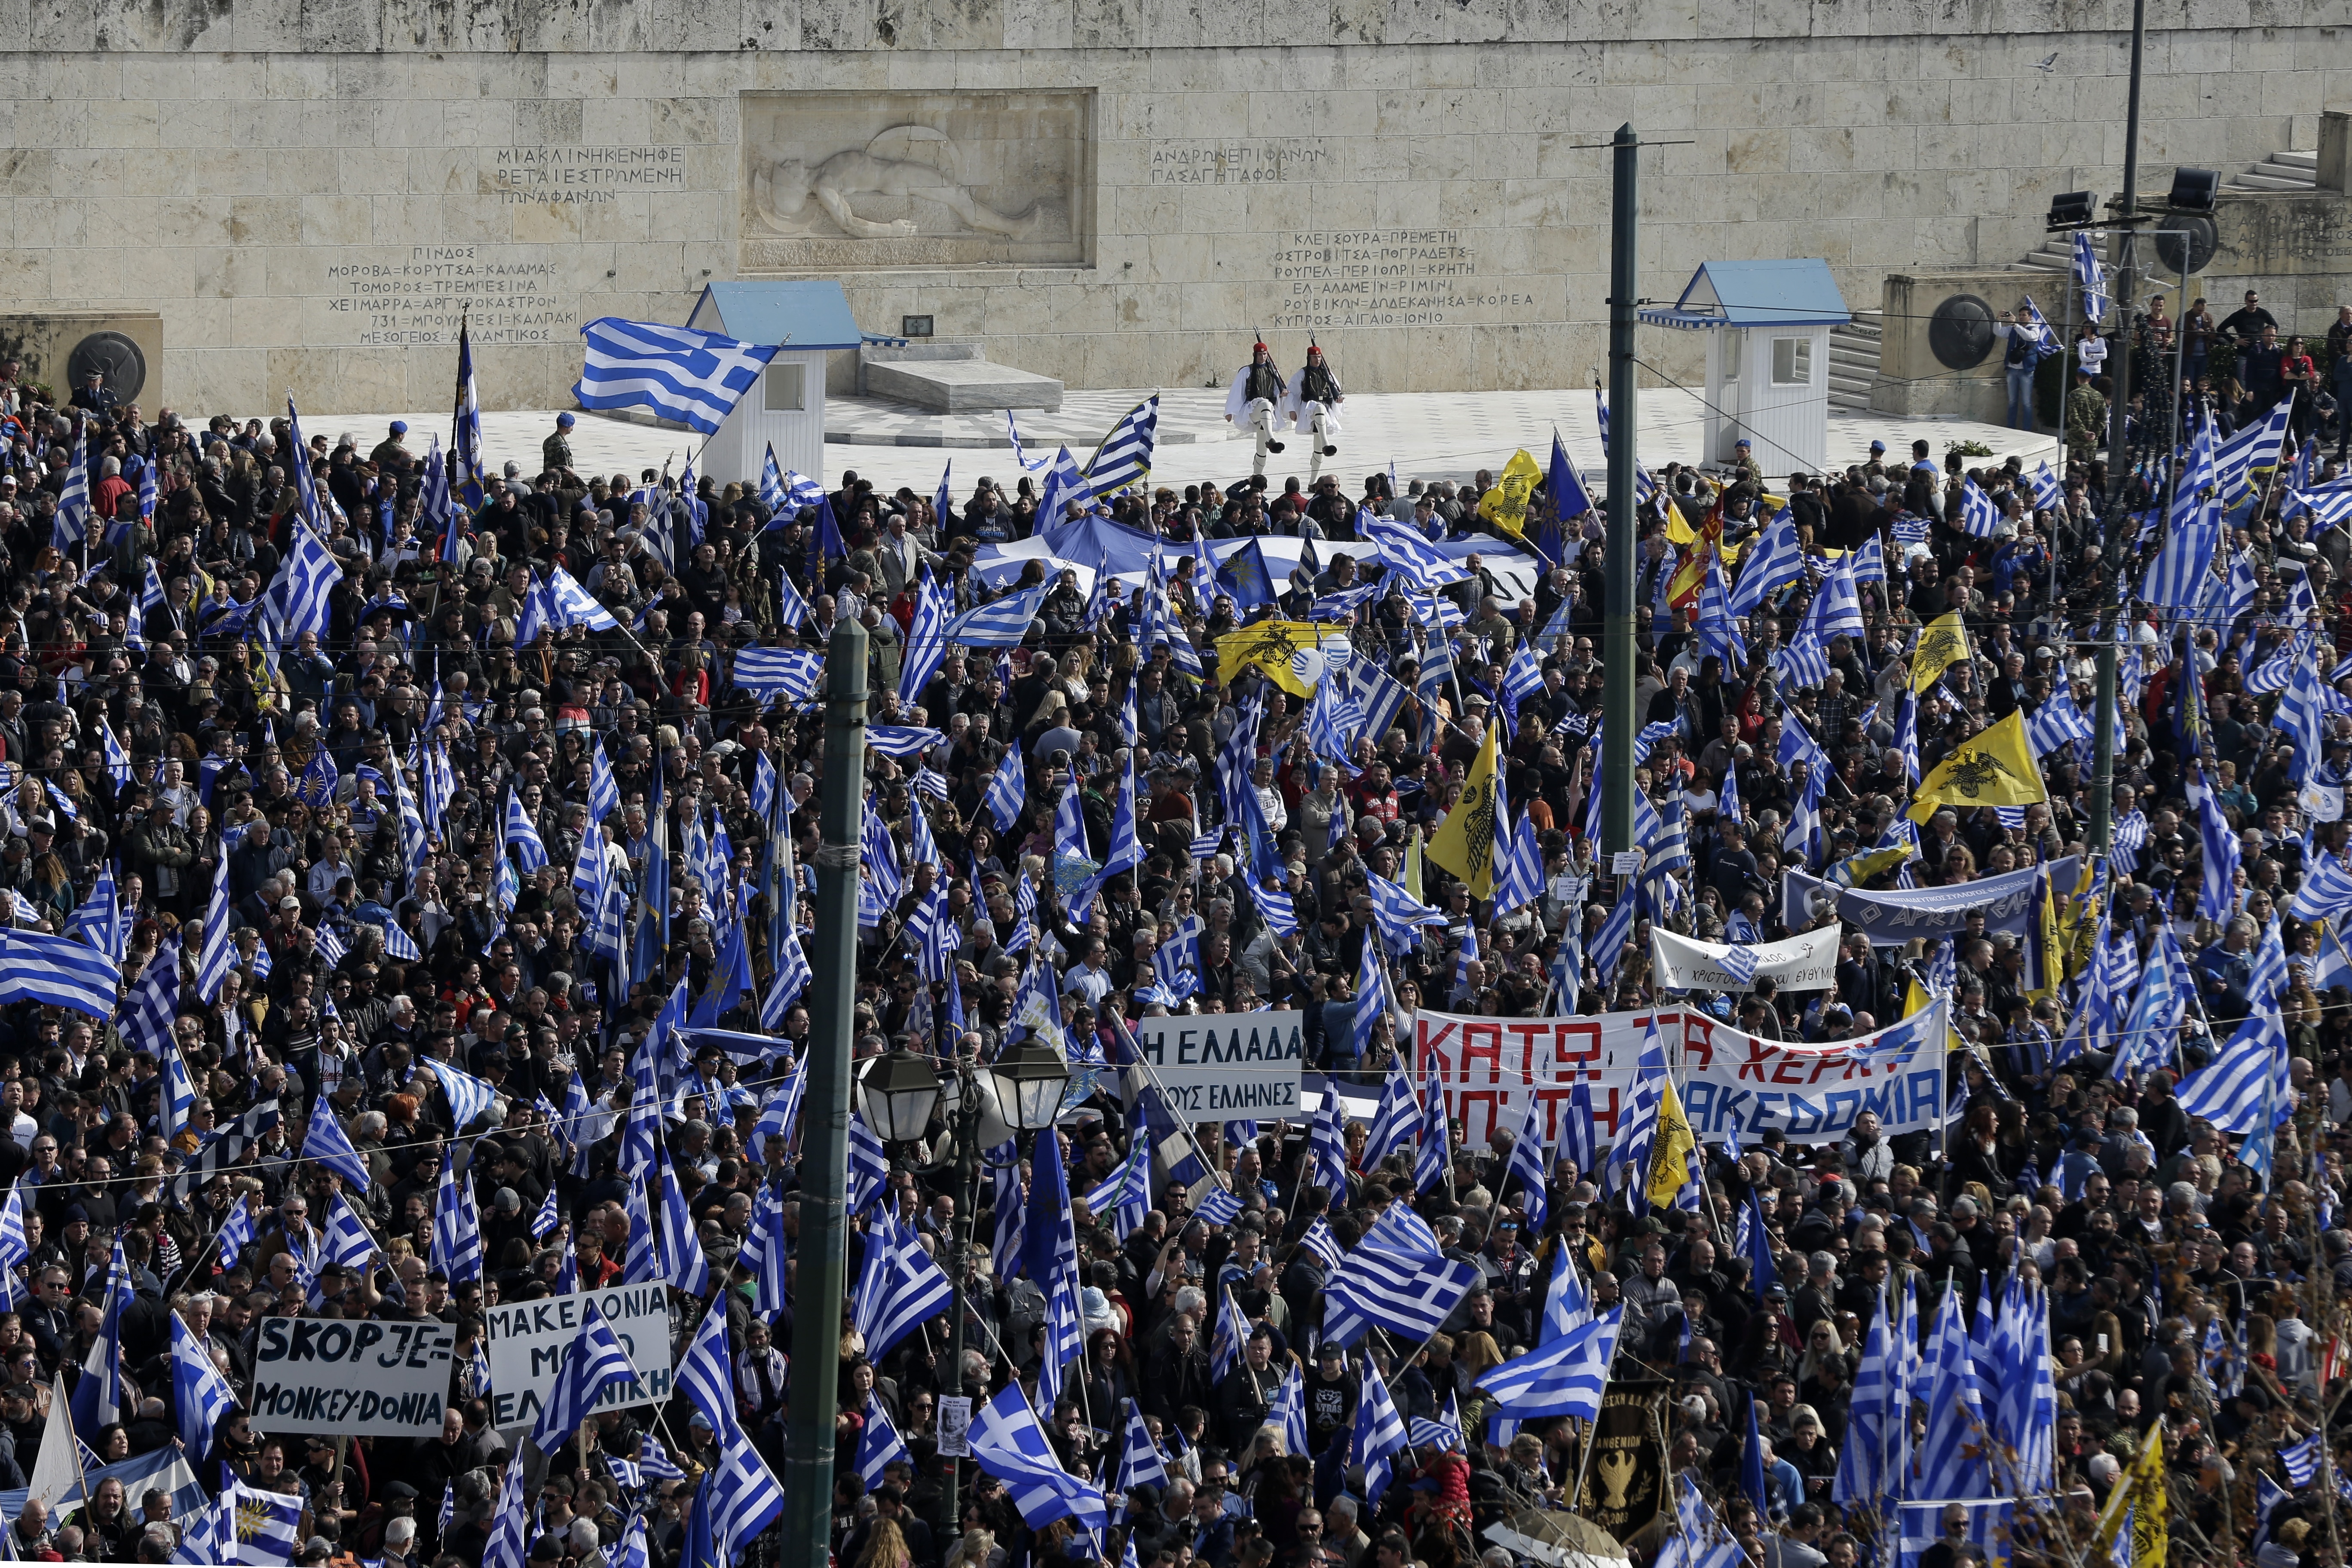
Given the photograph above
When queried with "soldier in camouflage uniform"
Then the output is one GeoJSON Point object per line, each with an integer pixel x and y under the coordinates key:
{"type": "Point", "coordinates": [2086, 418]}
{"type": "Point", "coordinates": [555, 452]}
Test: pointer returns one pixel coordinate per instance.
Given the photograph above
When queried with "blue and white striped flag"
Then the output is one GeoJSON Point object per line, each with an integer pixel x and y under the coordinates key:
{"type": "Point", "coordinates": [1773, 560]}
{"type": "Point", "coordinates": [328, 1143]}
{"type": "Point", "coordinates": [2300, 1460]}
{"type": "Point", "coordinates": [200, 1395]}
{"type": "Point", "coordinates": [2047, 496]}
{"type": "Point", "coordinates": [471, 1097]}
{"type": "Point", "coordinates": [1002, 624]}
{"type": "Point", "coordinates": [2091, 278]}
{"type": "Point", "coordinates": [1125, 456]}
{"type": "Point", "coordinates": [1379, 1434]}
{"type": "Point", "coordinates": [456, 1247]}
{"type": "Point", "coordinates": [879, 1445]}
{"type": "Point", "coordinates": [1414, 558]}
{"type": "Point", "coordinates": [910, 1290]}
{"type": "Point", "coordinates": [1007, 788]}
{"type": "Point", "coordinates": [1008, 1443]}
{"type": "Point", "coordinates": [2234, 1088]}
{"type": "Point", "coordinates": [1952, 1459]}
{"type": "Point", "coordinates": [1410, 1297]}
{"type": "Point", "coordinates": [1979, 513]}
{"type": "Point", "coordinates": [1564, 1377]}
{"type": "Point", "coordinates": [693, 378]}
{"type": "Point", "coordinates": [59, 971]}
{"type": "Point", "coordinates": [746, 1499]}
{"type": "Point", "coordinates": [792, 673]}
{"type": "Point", "coordinates": [591, 1363]}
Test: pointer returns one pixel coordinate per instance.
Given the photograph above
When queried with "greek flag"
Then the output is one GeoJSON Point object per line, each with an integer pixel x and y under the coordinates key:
{"type": "Point", "coordinates": [592, 1363]}
{"type": "Point", "coordinates": [2252, 447]}
{"type": "Point", "coordinates": [692, 378]}
{"type": "Point", "coordinates": [469, 1097]}
{"type": "Point", "coordinates": [1773, 560]}
{"type": "Point", "coordinates": [1740, 964]}
{"type": "Point", "coordinates": [1415, 559]}
{"type": "Point", "coordinates": [2303, 714]}
{"type": "Point", "coordinates": [1952, 1459]}
{"type": "Point", "coordinates": [1232, 1333]}
{"type": "Point", "coordinates": [1008, 1443]}
{"type": "Point", "coordinates": [1125, 456]}
{"type": "Point", "coordinates": [456, 1247]}
{"type": "Point", "coordinates": [1398, 913]}
{"type": "Point", "coordinates": [2330, 506]}
{"type": "Point", "coordinates": [2300, 1460]}
{"type": "Point", "coordinates": [200, 1395]}
{"type": "Point", "coordinates": [328, 1143]}
{"type": "Point", "coordinates": [926, 643]}
{"type": "Point", "coordinates": [1121, 1202]}
{"type": "Point", "coordinates": [2055, 723]}
{"type": "Point", "coordinates": [2233, 1089]}
{"type": "Point", "coordinates": [297, 600]}
{"type": "Point", "coordinates": [100, 917]}
{"type": "Point", "coordinates": [1410, 1297]}
{"type": "Point", "coordinates": [791, 673]}
{"type": "Point", "coordinates": [1398, 1121]}
{"type": "Point", "coordinates": [1049, 1255]}
{"type": "Point", "coordinates": [775, 494]}
{"type": "Point", "coordinates": [1979, 513]}
{"type": "Point", "coordinates": [907, 1290]}
{"type": "Point", "coordinates": [1379, 1434]}
{"type": "Point", "coordinates": [2091, 278]}
{"type": "Point", "coordinates": [1002, 624]}
{"type": "Point", "coordinates": [902, 743]}
{"type": "Point", "coordinates": [2327, 891]}
{"type": "Point", "coordinates": [1445, 1432]}
{"type": "Point", "coordinates": [2046, 493]}
{"type": "Point", "coordinates": [746, 1499]}
{"type": "Point", "coordinates": [1007, 788]}
{"type": "Point", "coordinates": [569, 604]}
{"type": "Point", "coordinates": [1529, 1164]}
{"type": "Point", "coordinates": [1562, 1378]}
{"type": "Point", "coordinates": [879, 1446]}
{"type": "Point", "coordinates": [2218, 898]}
{"type": "Point", "coordinates": [62, 973]}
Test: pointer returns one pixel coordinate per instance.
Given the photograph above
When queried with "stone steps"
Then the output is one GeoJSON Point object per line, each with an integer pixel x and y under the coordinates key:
{"type": "Point", "coordinates": [1853, 362]}
{"type": "Point", "coordinates": [2281, 172]}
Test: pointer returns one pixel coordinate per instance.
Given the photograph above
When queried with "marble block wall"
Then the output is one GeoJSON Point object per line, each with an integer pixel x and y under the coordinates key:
{"type": "Point", "coordinates": [1114, 193]}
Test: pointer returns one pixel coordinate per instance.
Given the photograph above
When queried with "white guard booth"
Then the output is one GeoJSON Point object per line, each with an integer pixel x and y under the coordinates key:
{"type": "Point", "coordinates": [1768, 357]}
{"type": "Point", "coordinates": [785, 407]}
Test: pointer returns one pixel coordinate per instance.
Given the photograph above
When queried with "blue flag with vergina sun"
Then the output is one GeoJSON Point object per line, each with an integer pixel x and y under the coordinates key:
{"type": "Point", "coordinates": [1245, 576]}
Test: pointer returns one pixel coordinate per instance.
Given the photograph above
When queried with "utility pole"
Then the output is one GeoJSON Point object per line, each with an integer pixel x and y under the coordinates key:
{"type": "Point", "coordinates": [822, 1258]}
{"type": "Point", "coordinates": [2103, 741]}
{"type": "Point", "coordinates": [1617, 625]}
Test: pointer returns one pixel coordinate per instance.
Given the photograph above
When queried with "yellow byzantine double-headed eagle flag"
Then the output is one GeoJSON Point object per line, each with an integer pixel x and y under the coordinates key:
{"type": "Point", "coordinates": [1943, 643]}
{"type": "Point", "coordinates": [1993, 767]}
{"type": "Point", "coordinates": [1670, 1149]}
{"type": "Point", "coordinates": [1465, 842]}
{"type": "Point", "coordinates": [2139, 1496]}
{"type": "Point", "coordinates": [1505, 506]}
{"type": "Point", "coordinates": [1275, 648]}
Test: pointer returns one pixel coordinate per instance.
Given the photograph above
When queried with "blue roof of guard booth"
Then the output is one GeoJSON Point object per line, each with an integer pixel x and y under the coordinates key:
{"type": "Point", "coordinates": [1796, 292]}
{"type": "Point", "coordinates": [799, 315]}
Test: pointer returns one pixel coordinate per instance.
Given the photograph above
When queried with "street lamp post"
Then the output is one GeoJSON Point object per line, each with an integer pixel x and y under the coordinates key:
{"type": "Point", "coordinates": [902, 1091]}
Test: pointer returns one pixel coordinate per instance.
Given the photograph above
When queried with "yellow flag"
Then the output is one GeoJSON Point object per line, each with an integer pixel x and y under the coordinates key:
{"type": "Point", "coordinates": [1276, 647]}
{"type": "Point", "coordinates": [1993, 767]}
{"type": "Point", "coordinates": [1412, 864]}
{"type": "Point", "coordinates": [1678, 529]}
{"type": "Point", "coordinates": [1670, 1150]}
{"type": "Point", "coordinates": [1463, 843]}
{"type": "Point", "coordinates": [1505, 506]}
{"type": "Point", "coordinates": [1943, 644]}
{"type": "Point", "coordinates": [2140, 1493]}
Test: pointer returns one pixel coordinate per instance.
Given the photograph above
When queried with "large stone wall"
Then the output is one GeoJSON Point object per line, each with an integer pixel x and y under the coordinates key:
{"type": "Point", "coordinates": [1112, 192]}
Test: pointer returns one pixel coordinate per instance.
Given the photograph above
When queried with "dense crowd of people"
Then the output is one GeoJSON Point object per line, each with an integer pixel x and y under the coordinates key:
{"type": "Point", "coordinates": [164, 749]}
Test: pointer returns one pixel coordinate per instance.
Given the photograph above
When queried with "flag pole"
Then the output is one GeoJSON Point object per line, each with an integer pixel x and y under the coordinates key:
{"type": "Point", "coordinates": [1584, 1448]}
{"type": "Point", "coordinates": [817, 1331]}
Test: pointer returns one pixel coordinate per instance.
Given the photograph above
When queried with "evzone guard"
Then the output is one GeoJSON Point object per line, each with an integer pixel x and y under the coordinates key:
{"type": "Point", "coordinates": [1313, 407]}
{"type": "Point", "coordinates": [1258, 395]}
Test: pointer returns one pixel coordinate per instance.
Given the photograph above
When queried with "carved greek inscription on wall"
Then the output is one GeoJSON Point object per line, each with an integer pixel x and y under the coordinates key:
{"type": "Point", "coordinates": [418, 294]}
{"type": "Point", "coordinates": [844, 181]}
{"type": "Point", "coordinates": [1239, 162]}
{"type": "Point", "coordinates": [590, 175]}
{"type": "Point", "coordinates": [1388, 278]}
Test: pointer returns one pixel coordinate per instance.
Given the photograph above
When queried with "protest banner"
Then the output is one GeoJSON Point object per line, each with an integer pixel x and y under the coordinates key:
{"type": "Point", "coordinates": [1490, 1065]}
{"type": "Point", "coordinates": [526, 1341]}
{"type": "Point", "coordinates": [1803, 963]}
{"type": "Point", "coordinates": [1738, 1083]}
{"type": "Point", "coordinates": [357, 1378]}
{"type": "Point", "coordinates": [1221, 1066]}
{"type": "Point", "coordinates": [1893, 916]}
